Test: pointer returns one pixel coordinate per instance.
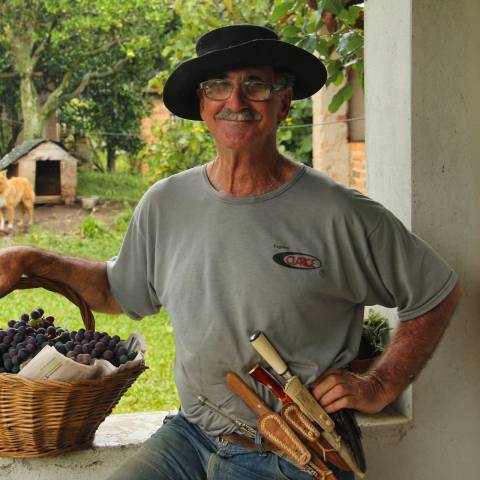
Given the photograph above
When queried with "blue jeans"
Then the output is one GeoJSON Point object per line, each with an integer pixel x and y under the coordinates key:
{"type": "Point", "coordinates": [180, 450]}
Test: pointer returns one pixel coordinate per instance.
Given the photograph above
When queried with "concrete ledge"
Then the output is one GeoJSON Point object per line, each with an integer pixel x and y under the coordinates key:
{"type": "Point", "coordinates": [120, 436]}
{"type": "Point", "coordinates": [387, 419]}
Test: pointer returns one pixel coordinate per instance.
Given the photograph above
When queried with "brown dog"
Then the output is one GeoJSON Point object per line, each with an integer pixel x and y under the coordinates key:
{"type": "Point", "coordinates": [16, 191]}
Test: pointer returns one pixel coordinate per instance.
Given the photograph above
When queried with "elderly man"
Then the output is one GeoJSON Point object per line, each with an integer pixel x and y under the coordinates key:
{"type": "Point", "coordinates": [253, 240]}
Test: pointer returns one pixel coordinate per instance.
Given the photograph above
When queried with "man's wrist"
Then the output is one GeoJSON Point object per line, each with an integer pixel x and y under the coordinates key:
{"type": "Point", "coordinates": [389, 386]}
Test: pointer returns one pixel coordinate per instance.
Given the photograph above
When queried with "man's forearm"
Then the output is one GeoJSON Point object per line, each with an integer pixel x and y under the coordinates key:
{"type": "Point", "coordinates": [87, 277]}
{"type": "Point", "coordinates": [412, 345]}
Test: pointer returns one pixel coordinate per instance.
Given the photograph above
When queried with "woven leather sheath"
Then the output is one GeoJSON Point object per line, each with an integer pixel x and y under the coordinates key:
{"type": "Point", "coordinates": [300, 422]}
{"type": "Point", "coordinates": [276, 430]}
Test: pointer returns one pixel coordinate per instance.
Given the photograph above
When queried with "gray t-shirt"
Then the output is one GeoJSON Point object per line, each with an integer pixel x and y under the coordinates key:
{"type": "Point", "coordinates": [299, 263]}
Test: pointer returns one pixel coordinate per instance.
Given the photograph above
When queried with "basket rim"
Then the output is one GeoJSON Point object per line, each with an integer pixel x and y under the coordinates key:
{"type": "Point", "coordinates": [125, 372]}
{"type": "Point", "coordinates": [61, 288]}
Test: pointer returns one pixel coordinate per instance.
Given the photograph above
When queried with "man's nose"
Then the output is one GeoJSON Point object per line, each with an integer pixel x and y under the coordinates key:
{"type": "Point", "coordinates": [237, 100]}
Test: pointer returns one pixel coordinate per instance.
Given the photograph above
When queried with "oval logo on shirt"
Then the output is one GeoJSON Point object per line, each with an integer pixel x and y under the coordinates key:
{"type": "Point", "coordinates": [299, 260]}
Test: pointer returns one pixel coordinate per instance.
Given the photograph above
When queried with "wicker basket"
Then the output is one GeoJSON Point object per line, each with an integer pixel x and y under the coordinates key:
{"type": "Point", "coordinates": [45, 418]}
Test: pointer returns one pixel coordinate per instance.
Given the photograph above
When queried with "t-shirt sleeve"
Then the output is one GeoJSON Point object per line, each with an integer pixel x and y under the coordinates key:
{"type": "Point", "coordinates": [131, 273]}
{"type": "Point", "coordinates": [404, 271]}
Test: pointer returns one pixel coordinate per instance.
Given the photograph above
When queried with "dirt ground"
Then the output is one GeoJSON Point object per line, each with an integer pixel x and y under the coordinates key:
{"type": "Point", "coordinates": [66, 218]}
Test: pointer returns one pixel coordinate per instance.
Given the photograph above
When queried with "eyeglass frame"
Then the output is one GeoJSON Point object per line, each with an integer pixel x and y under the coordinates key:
{"type": "Point", "coordinates": [274, 87]}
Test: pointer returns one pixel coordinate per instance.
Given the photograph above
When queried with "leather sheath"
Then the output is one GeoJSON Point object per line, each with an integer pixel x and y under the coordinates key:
{"type": "Point", "coordinates": [300, 422]}
{"type": "Point", "coordinates": [276, 430]}
{"type": "Point", "coordinates": [306, 428]}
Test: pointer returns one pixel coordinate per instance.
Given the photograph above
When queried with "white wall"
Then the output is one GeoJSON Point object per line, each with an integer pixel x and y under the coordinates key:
{"type": "Point", "coordinates": [422, 133]}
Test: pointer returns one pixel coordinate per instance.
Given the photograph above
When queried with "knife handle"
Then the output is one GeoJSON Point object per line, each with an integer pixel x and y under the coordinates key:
{"type": "Point", "coordinates": [238, 386]}
{"type": "Point", "coordinates": [266, 379]}
{"type": "Point", "coordinates": [266, 350]}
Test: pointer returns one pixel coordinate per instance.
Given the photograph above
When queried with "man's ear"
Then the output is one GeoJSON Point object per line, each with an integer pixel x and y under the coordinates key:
{"type": "Point", "coordinates": [285, 104]}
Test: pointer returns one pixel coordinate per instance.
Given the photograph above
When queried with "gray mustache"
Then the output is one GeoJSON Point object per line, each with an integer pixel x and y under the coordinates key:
{"type": "Point", "coordinates": [245, 115]}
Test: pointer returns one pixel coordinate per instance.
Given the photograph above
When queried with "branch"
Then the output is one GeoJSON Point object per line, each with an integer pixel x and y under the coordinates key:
{"type": "Point", "coordinates": [36, 53]}
{"type": "Point", "coordinates": [102, 49]}
{"type": "Point", "coordinates": [15, 74]}
{"type": "Point", "coordinates": [52, 102]}
{"type": "Point", "coordinates": [56, 98]}
{"type": "Point", "coordinates": [88, 77]}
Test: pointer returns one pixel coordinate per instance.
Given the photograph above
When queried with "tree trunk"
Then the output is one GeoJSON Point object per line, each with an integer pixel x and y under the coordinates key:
{"type": "Point", "coordinates": [33, 120]}
{"type": "Point", "coordinates": [21, 45]}
{"type": "Point", "coordinates": [111, 156]}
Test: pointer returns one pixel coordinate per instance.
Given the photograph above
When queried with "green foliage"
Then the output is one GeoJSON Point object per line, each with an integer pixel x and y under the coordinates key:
{"type": "Point", "coordinates": [181, 144]}
{"type": "Point", "coordinates": [342, 96]}
{"type": "Point", "coordinates": [295, 134]}
{"type": "Point", "coordinates": [94, 229]}
{"type": "Point", "coordinates": [375, 335]}
{"type": "Point", "coordinates": [111, 108]}
{"type": "Point", "coordinates": [122, 220]}
{"type": "Point", "coordinates": [121, 187]}
{"type": "Point", "coordinates": [333, 30]}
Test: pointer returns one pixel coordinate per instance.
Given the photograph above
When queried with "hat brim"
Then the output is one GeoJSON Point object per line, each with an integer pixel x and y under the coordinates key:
{"type": "Point", "coordinates": [179, 93]}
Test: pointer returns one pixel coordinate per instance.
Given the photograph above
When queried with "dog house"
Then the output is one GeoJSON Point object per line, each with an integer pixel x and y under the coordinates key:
{"type": "Point", "coordinates": [49, 167]}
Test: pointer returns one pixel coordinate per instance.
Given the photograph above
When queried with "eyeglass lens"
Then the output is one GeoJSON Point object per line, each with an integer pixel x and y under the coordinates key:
{"type": "Point", "coordinates": [222, 89]}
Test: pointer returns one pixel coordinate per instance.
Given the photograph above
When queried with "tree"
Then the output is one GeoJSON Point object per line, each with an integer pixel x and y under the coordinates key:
{"type": "Point", "coordinates": [10, 121]}
{"type": "Point", "coordinates": [110, 109]}
{"type": "Point", "coordinates": [109, 112]}
{"type": "Point", "coordinates": [58, 47]}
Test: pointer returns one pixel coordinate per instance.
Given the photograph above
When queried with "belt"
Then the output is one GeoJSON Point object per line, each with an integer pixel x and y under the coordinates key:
{"type": "Point", "coordinates": [246, 442]}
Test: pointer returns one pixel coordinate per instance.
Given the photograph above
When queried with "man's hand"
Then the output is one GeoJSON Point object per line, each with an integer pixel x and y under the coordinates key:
{"type": "Point", "coordinates": [338, 389]}
{"type": "Point", "coordinates": [408, 352]}
{"type": "Point", "coordinates": [11, 267]}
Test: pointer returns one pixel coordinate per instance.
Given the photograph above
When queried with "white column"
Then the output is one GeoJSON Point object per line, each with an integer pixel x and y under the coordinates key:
{"type": "Point", "coordinates": [422, 134]}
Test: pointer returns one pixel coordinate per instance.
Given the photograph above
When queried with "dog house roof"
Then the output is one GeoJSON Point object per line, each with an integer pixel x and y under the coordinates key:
{"type": "Point", "coordinates": [21, 150]}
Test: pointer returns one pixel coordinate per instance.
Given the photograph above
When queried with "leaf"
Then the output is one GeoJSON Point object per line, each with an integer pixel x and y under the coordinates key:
{"type": "Point", "coordinates": [349, 16]}
{"type": "Point", "coordinates": [318, 18]}
{"type": "Point", "coordinates": [333, 6]}
{"type": "Point", "coordinates": [281, 10]}
{"type": "Point", "coordinates": [338, 80]}
{"type": "Point", "coordinates": [308, 43]}
{"type": "Point", "coordinates": [322, 47]}
{"type": "Point", "coordinates": [342, 96]}
{"type": "Point", "coordinates": [350, 42]}
{"type": "Point", "coordinates": [291, 31]}
{"type": "Point", "coordinates": [354, 12]}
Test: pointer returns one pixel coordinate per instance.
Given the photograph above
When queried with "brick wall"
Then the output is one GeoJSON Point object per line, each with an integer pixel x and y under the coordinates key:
{"type": "Point", "coordinates": [358, 173]}
{"type": "Point", "coordinates": [158, 114]}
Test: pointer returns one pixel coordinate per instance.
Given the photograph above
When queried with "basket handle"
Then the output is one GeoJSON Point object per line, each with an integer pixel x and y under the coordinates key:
{"type": "Point", "coordinates": [62, 289]}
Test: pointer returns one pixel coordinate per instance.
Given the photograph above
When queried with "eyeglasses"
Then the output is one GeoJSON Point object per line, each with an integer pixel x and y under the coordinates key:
{"type": "Point", "coordinates": [254, 90]}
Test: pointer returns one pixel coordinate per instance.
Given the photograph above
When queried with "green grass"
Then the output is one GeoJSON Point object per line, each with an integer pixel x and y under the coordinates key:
{"type": "Point", "coordinates": [119, 186]}
{"type": "Point", "coordinates": [155, 389]}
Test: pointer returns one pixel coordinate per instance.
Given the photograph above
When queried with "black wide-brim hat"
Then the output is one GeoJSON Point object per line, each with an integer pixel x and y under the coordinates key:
{"type": "Point", "coordinates": [238, 46]}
